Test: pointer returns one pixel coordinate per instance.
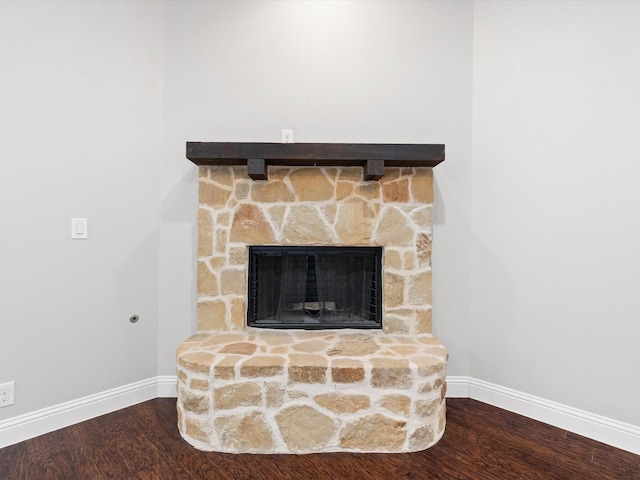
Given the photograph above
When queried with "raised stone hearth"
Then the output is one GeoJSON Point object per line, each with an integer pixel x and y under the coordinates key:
{"type": "Point", "coordinates": [300, 391]}
{"type": "Point", "coordinates": [258, 390]}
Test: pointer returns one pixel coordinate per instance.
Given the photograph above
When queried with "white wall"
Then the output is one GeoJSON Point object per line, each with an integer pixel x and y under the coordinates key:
{"type": "Point", "coordinates": [555, 221]}
{"type": "Point", "coordinates": [80, 120]}
{"type": "Point", "coordinates": [333, 72]}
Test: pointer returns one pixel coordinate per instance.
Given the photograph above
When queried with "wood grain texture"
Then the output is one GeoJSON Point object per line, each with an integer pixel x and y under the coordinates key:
{"type": "Point", "coordinates": [480, 442]}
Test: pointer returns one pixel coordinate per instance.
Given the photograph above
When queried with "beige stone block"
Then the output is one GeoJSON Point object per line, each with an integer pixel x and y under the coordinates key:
{"type": "Point", "coordinates": [197, 428]}
{"type": "Point", "coordinates": [342, 403]}
{"type": "Point", "coordinates": [423, 321]}
{"type": "Point", "coordinates": [390, 174]}
{"type": "Point", "coordinates": [218, 338]}
{"type": "Point", "coordinates": [428, 366]}
{"type": "Point", "coordinates": [222, 174]}
{"type": "Point", "coordinates": [310, 185]}
{"type": "Point", "coordinates": [233, 281]}
{"type": "Point", "coordinates": [421, 438]}
{"type": "Point", "coordinates": [276, 337]}
{"type": "Point", "coordinates": [225, 369]}
{"type": "Point", "coordinates": [182, 376]}
{"type": "Point", "coordinates": [250, 226]}
{"type": "Point", "coordinates": [393, 290]}
{"type": "Point", "coordinates": [213, 195]}
{"type": "Point", "coordinates": [199, 384]}
{"type": "Point", "coordinates": [194, 403]}
{"type": "Point", "coordinates": [245, 434]}
{"type": "Point", "coordinates": [223, 219]}
{"type": "Point", "coordinates": [271, 191]}
{"type": "Point", "coordinates": [430, 340]}
{"type": "Point", "coordinates": [393, 228]}
{"type": "Point", "coordinates": [390, 373]}
{"type": "Point", "coordinates": [350, 174]}
{"type": "Point", "coordinates": [276, 215]}
{"type": "Point", "coordinates": [217, 262]}
{"type": "Point", "coordinates": [404, 350]}
{"type": "Point", "coordinates": [347, 371]}
{"type": "Point", "coordinates": [242, 190]}
{"type": "Point", "coordinates": [374, 433]}
{"type": "Point", "coordinates": [409, 260]}
{"type": "Point", "coordinates": [274, 393]}
{"type": "Point", "coordinates": [240, 348]}
{"type": "Point", "coordinates": [329, 211]}
{"type": "Point", "coordinates": [422, 185]}
{"type": "Point", "coordinates": [238, 313]}
{"type": "Point", "coordinates": [278, 350]}
{"type": "Point", "coordinates": [423, 247]}
{"type": "Point", "coordinates": [311, 346]}
{"type": "Point", "coordinates": [205, 233]}
{"type": "Point", "coordinates": [394, 324]}
{"type": "Point", "coordinates": [422, 217]}
{"type": "Point", "coordinates": [420, 288]}
{"type": "Point", "coordinates": [354, 345]}
{"type": "Point", "coordinates": [392, 259]}
{"type": "Point", "coordinates": [398, 404]}
{"type": "Point", "coordinates": [343, 190]}
{"type": "Point", "coordinates": [425, 408]}
{"type": "Point", "coordinates": [236, 395]}
{"type": "Point", "coordinates": [369, 190]}
{"type": "Point", "coordinates": [304, 226]}
{"type": "Point", "coordinates": [396, 191]}
{"type": "Point", "coordinates": [221, 240]}
{"type": "Point", "coordinates": [198, 362]}
{"type": "Point", "coordinates": [212, 316]}
{"type": "Point", "coordinates": [304, 428]}
{"type": "Point", "coordinates": [262, 366]}
{"type": "Point", "coordinates": [207, 281]}
{"type": "Point", "coordinates": [237, 255]}
{"type": "Point", "coordinates": [355, 222]}
{"type": "Point", "coordinates": [307, 368]}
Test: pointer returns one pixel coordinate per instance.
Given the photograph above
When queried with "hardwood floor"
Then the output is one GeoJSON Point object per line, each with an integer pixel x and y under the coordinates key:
{"type": "Point", "coordinates": [480, 442]}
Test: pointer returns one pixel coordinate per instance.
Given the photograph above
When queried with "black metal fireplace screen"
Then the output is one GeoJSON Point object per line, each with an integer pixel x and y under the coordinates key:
{"type": "Point", "coordinates": [315, 287]}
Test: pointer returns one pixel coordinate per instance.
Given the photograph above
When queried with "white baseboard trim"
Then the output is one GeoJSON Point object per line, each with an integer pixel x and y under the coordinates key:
{"type": "Point", "coordinates": [603, 429]}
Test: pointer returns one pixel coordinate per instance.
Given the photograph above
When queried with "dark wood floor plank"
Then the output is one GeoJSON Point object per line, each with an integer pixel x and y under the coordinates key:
{"type": "Point", "coordinates": [480, 442]}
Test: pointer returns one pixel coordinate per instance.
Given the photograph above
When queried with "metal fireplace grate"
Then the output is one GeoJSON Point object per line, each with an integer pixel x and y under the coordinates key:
{"type": "Point", "coordinates": [315, 287]}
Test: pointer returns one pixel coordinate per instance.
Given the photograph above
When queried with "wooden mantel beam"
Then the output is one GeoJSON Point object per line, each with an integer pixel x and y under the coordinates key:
{"type": "Point", "coordinates": [372, 156]}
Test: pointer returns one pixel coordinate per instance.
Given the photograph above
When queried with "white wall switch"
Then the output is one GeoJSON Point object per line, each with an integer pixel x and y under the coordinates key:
{"type": "Point", "coordinates": [79, 228]}
{"type": "Point", "coordinates": [287, 136]}
{"type": "Point", "coordinates": [7, 394]}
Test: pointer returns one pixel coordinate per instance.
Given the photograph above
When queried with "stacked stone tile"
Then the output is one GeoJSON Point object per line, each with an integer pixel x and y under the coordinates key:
{"type": "Point", "coordinates": [297, 391]}
{"type": "Point", "coordinates": [389, 392]}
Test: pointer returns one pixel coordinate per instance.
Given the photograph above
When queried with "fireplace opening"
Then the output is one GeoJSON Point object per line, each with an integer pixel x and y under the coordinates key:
{"type": "Point", "coordinates": [315, 287]}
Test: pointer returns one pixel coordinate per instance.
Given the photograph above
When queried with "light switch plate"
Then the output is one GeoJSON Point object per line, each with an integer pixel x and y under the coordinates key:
{"type": "Point", "coordinates": [79, 228]}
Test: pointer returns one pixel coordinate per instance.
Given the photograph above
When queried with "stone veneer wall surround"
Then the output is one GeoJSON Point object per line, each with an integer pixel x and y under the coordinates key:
{"type": "Point", "coordinates": [237, 384]}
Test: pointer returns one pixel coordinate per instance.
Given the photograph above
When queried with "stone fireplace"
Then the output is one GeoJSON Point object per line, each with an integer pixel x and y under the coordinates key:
{"type": "Point", "coordinates": [262, 390]}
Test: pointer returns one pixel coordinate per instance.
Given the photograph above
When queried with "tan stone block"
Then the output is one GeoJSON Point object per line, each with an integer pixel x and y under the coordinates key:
{"type": "Point", "coordinates": [350, 174]}
{"type": "Point", "coordinates": [396, 191]}
{"type": "Point", "coordinates": [225, 369]}
{"type": "Point", "coordinates": [250, 226]}
{"type": "Point", "coordinates": [422, 185]}
{"type": "Point", "coordinates": [212, 316]}
{"type": "Point", "coordinates": [278, 350]}
{"type": "Point", "coordinates": [198, 429]}
{"type": "Point", "coordinates": [182, 376]}
{"type": "Point", "coordinates": [310, 185]}
{"type": "Point", "coordinates": [369, 190]}
{"type": "Point", "coordinates": [207, 281]}
{"type": "Point", "coordinates": [275, 172]}
{"type": "Point", "coordinates": [311, 346]}
{"type": "Point", "coordinates": [420, 288]}
{"type": "Point", "coordinates": [221, 240]}
{"type": "Point", "coordinates": [398, 404]}
{"type": "Point", "coordinates": [342, 403]}
{"type": "Point", "coordinates": [409, 260]}
{"type": "Point", "coordinates": [276, 337]}
{"type": "Point", "coordinates": [262, 366]}
{"type": "Point", "coordinates": [423, 321]}
{"type": "Point", "coordinates": [218, 338]}
{"type": "Point", "coordinates": [217, 262]}
{"type": "Point", "coordinates": [393, 290]}
{"type": "Point", "coordinates": [390, 373]}
{"type": "Point", "coordinates": [242, 190]}
{"type": "Point", "coordinates": [393, 228]}
{"type": "Point", "coordinates": [355, 222]}
{"type": "Point", "coordinates": [276, 216]}
{"type": "Point", "coordinates": [304, 428]}
{"type": "Point", "coordinates": [245, 434]}
{"type": "Point", "coordinates": [347, 371]}
{"type": "Point", "coordinates": [354, 345]}
{"type": "Point", "coordinates": [428, 366]}
{"type": "Point", "coordinates": [404, 350]}
{"type": "Point", "coordinates": [304, 226]}
{"type": "Point", "coordinates": [329, 211]}
{"type": "Point", "coordinates": [199, 384]}
{"type": "Point", "coordinates": [233, 281]}
{"type": "Point", "coordinates": [390, 174]}
{"type": "Point", "coordinates": [237, 255]}
{"type": "Point", "coordinates": [236, 395]}
{"type": "Point", "coordinates": [330, 173]}
{"type": "Point", "coordinates": [374, 433]}
{"type": "Point", "coordinates": [198, 362]}
{"type": "Point", "coordinates": [343, 190]}
{"type": "Point", "coordinates": [222, 174]}
{"type": "Point", "coordinates": [194, 403]}
{"type": "Point", "coordinates": [307, 368]}
{"type": "Point", "coordinates": [392, 259]}
{"type": "Point", "coordinates": [271, 191]}
{"type": "Point", "coordinates": [423, 247]}
{"type": "Point", "coordinates": [421, 438]}
{"type": "Point", "coordinates": [238, 313]}
{"type": "Point", "coordinates": [223, 219]}
{"type": "Point", "coordinates": [429, 340]}
{"type": "Point", "coordinates": [205, 232]}
{"type": "Point", "coordinates": [426, 408]}
{"type": "Point", "coordinates": [394, 324]}
{"type": "Point", "coordinates": [274, 393]}
{"type": "Point", "coordinates": [213, 195]}
{"type": "Point", "coordinates": [240, 348]}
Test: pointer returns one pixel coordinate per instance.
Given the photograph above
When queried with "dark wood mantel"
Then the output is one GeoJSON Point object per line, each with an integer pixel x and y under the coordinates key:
{"type": "Point", "coordinates": [373, 157]}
